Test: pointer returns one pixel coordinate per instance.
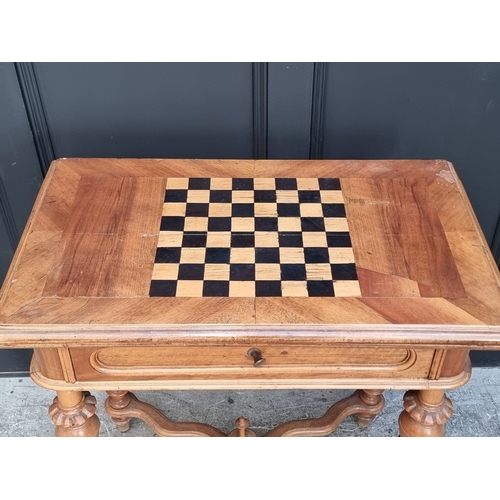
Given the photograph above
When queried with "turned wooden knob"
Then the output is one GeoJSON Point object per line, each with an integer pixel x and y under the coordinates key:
{"type": "Point", "coordinates": [255, 353]}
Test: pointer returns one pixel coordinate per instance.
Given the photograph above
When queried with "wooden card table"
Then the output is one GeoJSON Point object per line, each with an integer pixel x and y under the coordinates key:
{"type": "Point", "coordinates": [138, 274]}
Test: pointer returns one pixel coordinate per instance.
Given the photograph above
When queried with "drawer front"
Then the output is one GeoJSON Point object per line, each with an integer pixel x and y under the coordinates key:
{"type": "Point", "coordinates": [233, 361]}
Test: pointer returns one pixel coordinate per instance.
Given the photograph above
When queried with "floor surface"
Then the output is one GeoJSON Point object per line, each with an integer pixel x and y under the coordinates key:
{"type": "Point", "coordinates": [23, 409]}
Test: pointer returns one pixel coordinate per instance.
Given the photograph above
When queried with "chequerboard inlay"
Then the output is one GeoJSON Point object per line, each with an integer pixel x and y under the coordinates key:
{"type": "Point", "coordinates": [263, 237]}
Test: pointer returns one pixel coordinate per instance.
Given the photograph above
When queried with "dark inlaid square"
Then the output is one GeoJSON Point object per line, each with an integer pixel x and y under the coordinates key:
{"type": "Point", "coordinates": [316, 255]}
{"type": "Point", "coordinates": [197, 209]}
{"type": "Point", "coordinates": [266, 223]}
{"type": "Point", "coordinates": [194, 239]}
{"type": "Point", "coordinates": [286, 184]}
{"type": "Point", "coordinates": [175, 195]}
{"type": "Point", "coordinates": [243, 184]}
{"type": "Point", "coordinates": [309, 197]}
{"type": "Point", "coordinates": [215, 288]}
{"type": "Point", "coordinates": [242, 210]}
{"type": "Point", "coordinates": [312, 223]}
{"type": "Point", "coordinates": [199, 183]}
{"type": "Point", "coordinates": [242, 272]}
{"type": "Point", "coordinates": [219, 223]}
{"type": "Point", "coordinates": [191, 271]}
{"type": "Point", "coordinates": [320, 288]}
{"type": "Point", "coordinates": [242, 240]}
{"type": "Point", "coordinates": [344, 272]}
{"type": "Point", "coordinates": [217, 255]}
{"type": "Point", "coordinates": [288, 209]}
{"type": "Point", "coordinates": [331, 183]}
{"type": "Point", "coordinates": [293, 272]}
{"type": "Point", "coordinates": [168, 255]}
{"type": "Point", "coordinates": [172, 223]}
{"type": "Point", "coordinates": [220, 196]}
{"type": "Point", "coordinates": [268, 288]}
{"type": "Point", "coordinates": [267, 255]}
{"type": "Point", "coordinates": [265, 196]}
{"type": "Point", "coordinates": [289, 239]}
{"type": "Point", "coordinates": [163, 288]}
{"type": "Point", "coordinates": [333, 209]}
{"type": "Point", "coordinates": [338, 239]}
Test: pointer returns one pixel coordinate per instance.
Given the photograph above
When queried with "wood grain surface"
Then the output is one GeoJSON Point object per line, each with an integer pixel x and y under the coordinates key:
{"type": "Point", "coordinates": [86, 258]}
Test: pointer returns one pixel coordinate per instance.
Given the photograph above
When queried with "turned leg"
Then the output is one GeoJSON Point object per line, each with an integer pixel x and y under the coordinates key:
{"type": "Point", "coordinates": [425, 413]}
{"type": "Point", "coordinates": [73, 412]}
{"type": "Point", "coordinates": [241, 429]}
{"type": "Point", "coordinates": [372, 398]}
{"type": "Point", "coordinates": [118, 400]}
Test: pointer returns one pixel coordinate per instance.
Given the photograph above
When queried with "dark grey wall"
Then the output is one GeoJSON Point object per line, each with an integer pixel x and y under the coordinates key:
{"type": "Point", "coordinates": [426, 110]}
{"type": "Point", "coordinates": [20, 179]}
{"type": "Point", "coordinates": [175, 110]}
{"type": "Point", "coordinates": [246, 110]}
{"type": "Point", "coordinates": [289, 110]}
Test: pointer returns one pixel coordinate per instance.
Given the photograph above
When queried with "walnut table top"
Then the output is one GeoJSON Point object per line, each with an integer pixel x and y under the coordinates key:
{"type": "Point", "coordinates": [382, 249]}
{"type": "Point", "coordinates": [320, 264]}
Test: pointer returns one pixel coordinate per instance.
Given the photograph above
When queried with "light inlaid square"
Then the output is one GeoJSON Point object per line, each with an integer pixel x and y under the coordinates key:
{"type": "Point", "coordinates": [311, 210]}
{"type": "Point", "coordinates": [289, 224]}
{"type": "Point", "coordinates": [192, 255]}
{"type": "Point", "coordinates": [177, 183]}
{"type": "Point", "coordinates": [221, 239]}
{"type": "Point", "coordinates": [291, 255]}
{"type": "Point", "coordinates": [307, 184]}
{"type": "Point", "coordinates": [196, 224]}
{"type": "Point", "coordinates": [174, 209]}
{"type": "Point", "coordinates": [332, 196]}
{"type": "Point", "coordinates": [314, 239]}
{"type": "Point", "coordinates": [333, 224]}
{"type": "Point", "coordinates": [294, 289]}
{"type": "Point", "coordinates": [265, 239]}
{"type": "Point", "coordinates": [347, 288]}
{"type": "Point", "coordinates": [243, 224]}
{"type": "Point", "coordinates": [170, 239]}
{"type": "Point", "coordinates": [165, 271]}
{"type": "Point", "coordinates": [198, 196]}
{"type": "Point", "coordinates": [219, 210]}
{"type": "Point", "coordinates": [221, 183]}
{"type": "Point", "coordinates": [266, 210]}
{"type": "Point", "coordinates": [216, 272]}
{"type": "Point", "coordinates": [242, 256]}
{"type": "Point", "coordinates": [341, 255]}
{"type": "Point", "coordinates": [242, 288]}
{"type": "Point", "coordinates": [318, 272]}
{"type": "Point", "coordinates": [264, 184]}
{"type": "Point", "coordinates": [189, 288]}
{"type": "Point", "coordinates": [287, 196]}
{"type": "Point", "coordinates": [267, 272]}
{"type": "Point", "coordinates": [242, 196]}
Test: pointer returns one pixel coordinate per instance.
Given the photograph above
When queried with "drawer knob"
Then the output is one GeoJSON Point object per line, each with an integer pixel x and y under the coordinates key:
{"type": "Point", "coordinates": [254, 353]}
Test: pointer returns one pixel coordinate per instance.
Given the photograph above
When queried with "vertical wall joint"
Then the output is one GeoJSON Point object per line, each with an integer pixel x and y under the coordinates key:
{"type": "Point", "coordinates": [259, 85]}
{"type": "Point", "coordinates": [36, 114]}
{"type": "Point", "coordinates": [318, 110]}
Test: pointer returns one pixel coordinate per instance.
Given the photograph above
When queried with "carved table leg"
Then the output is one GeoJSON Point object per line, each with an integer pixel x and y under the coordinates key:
{"type": "Point", "coordinates": [118, 400]}
{"type": "Point", "coordinates": [425, 413]}
{"type": "Point", "coordinates": [73, 412]}
{"type": "Point", "coordinates": [372, 398]}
